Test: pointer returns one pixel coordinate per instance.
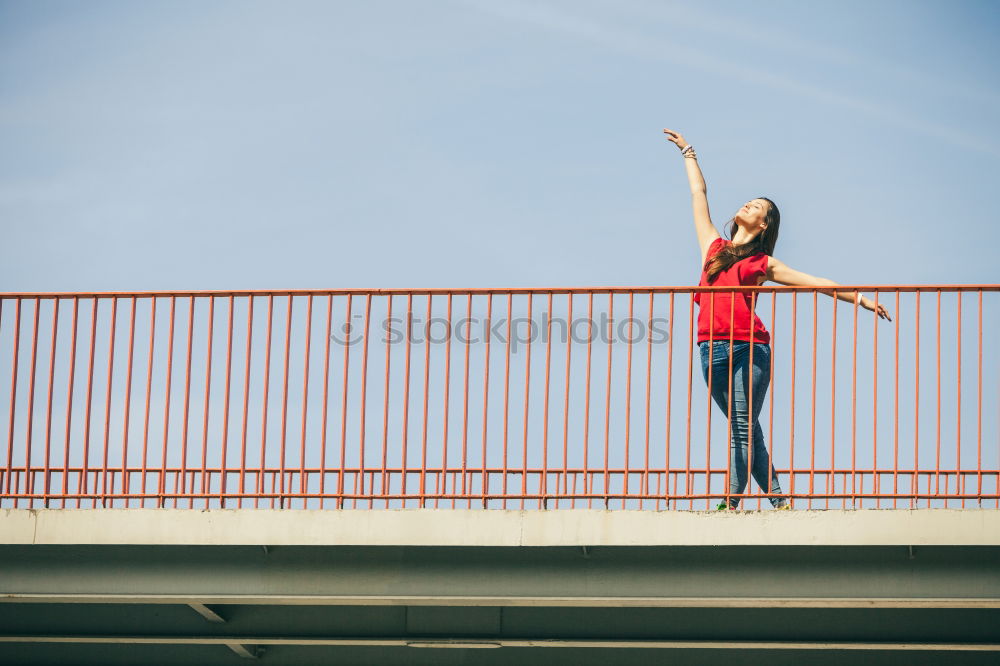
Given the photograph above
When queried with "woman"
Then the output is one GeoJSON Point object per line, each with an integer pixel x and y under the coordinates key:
{"type": "Point", "coordinates": [727, 325]}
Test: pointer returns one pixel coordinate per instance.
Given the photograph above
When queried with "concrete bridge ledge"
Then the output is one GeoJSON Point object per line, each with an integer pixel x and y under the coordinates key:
{"type": "Point", "coordinates": [461, 527]}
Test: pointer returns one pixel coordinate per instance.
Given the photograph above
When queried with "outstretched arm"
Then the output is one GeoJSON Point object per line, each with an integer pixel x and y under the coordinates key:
{"type": "Point", "coordinates": [699, 195]}
{"type": "Point", "coordinates": [778, 272]}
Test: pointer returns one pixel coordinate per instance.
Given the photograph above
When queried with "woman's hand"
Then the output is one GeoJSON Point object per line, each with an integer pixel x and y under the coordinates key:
{"type": "Point", "coordinates": [676, 138]}
{"type": "Point", "coordinates": [879, 309]}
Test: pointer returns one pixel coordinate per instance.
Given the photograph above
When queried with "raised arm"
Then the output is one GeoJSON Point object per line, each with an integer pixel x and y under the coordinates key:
{"type": "Point", "coordinates": [699, 194]}
{"type": "Point", "coordinates": [778, 272]}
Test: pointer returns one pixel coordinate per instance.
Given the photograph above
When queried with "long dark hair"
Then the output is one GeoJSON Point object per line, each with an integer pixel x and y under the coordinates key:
{"type": "Point", "coordinates": [762, 242]}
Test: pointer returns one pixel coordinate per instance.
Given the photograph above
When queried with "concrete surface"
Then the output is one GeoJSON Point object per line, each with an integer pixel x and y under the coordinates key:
{"type": "Point", "coordinates": [450, 527]}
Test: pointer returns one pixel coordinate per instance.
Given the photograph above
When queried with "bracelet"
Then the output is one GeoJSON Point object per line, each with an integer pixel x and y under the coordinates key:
{"type": "Point", "coordinates": [858, 300]}
{"type": "Point", "coordinates": [686, 148]}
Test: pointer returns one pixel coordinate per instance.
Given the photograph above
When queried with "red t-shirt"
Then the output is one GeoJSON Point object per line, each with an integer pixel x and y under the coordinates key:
{"type": "Point", "coordinates": [743, 273]}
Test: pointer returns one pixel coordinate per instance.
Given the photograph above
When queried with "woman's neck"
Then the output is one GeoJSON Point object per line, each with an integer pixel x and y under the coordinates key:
{"type": "Point", "coordinates": [743, 237]}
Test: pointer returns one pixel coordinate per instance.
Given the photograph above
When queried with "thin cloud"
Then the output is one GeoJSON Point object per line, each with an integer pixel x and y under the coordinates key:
{"type": "Point", "coordinates": [760, 34]}
{"type": "Point", "coordinates": [639, 45]}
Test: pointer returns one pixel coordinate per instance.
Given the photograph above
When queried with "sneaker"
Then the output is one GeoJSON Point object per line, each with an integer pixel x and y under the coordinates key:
{"type": "Point", "coordinates": [723, 506]}
{"type": "Point", "coordinates": [783, 507]}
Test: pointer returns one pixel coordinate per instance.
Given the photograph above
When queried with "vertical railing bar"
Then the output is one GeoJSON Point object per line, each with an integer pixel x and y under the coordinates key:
{"type": "Point", "coordinates": [565, 466]}
{"type": "Point", "coordinates": [28, 475]}
{"type": "Point", "coordinates": [875, 471]}
{"type": "Point", "coordinates": [527, 385]}
{"type": "Point", "coordinates": [107, 405]}
{"type": "Point", "coordinates": [406, 398]}
{"type": "Point", "coordinates": [979, 408]}
{"type": "Point", "coordinates": [628, 402]}
{"type": "Point", "coordinates": [937, 475]}
{"type": "Point", "coordinates": [224, 452]}
{"type": "Point", "coordinates": [162, 480]}
{"type": "Point", "coordinates": [812, 409]}
{"type": "Point", "coordinates": [770, 385]}
{"type": "Point", "coordinates": [13, 398]}
{"type": "Point", "coordinates": [105, 495]}
{"type": "Point", "coordinates": [385, 411]}
{"type": "Point", "coordinates": [708, 422]}
{"type": "Point", "coordinates": [565, 463]}
{"type": "Point", "coordinates": [586, 404]}
{"type": "Point", "coordinates": [690, 375]}
{"type": "Point", "coordinates": [670, 387]}
{"type": "Point", "coordinates": [360, 478]}
{"type": "Point", "coordinates": [791, 410]}
{"type": "Point", "coordinates": [128, 402]}
{"type": "Point", "coordinates": [895, 410]}
{"type": "Point", "coordinates": [264, 403]}
{"type": "Point", "coordinates": [465, 398]}
{"type": "Point", "coordinates": [284, 406]}
{"type": "Point", "coordinates": [208, 395]}
{"type": "Point", "coordinates": [441, 482]}
{"type": "Point", "coordinates": [48, 408]}
{"type": "Point", "coordinates": [246, 400]}
{"type": "Point", "coordinates": [959, 477]}
{"type": "Point", "coordinates": [69, 402]}
{"type": "Point", "coordinates": [506, 402]}
{"type": "Point", "coordinates": [649, 381]}
{"type": "Point", "coordinates": [326, 402]}
{"type": "Point", "coordinates": [916, 403]}
{"type": "Point", "coordinates": [833, 404]}
{"type": "Point", "coordinates": [751, 421]}
{"type": "Point", "coordinates": [303, 479]}
{"type": "Point", "coordinates": [543, 481]}
{"type": "Point", "coordinates": [486, 393]}
{"type": "Point", "coordinates": [349, 330]}
{"type": "Point", "coordinates": [149, 390]}
{"type": "Point", "coordinates": [82, 485]}
{"type": "Point", "coordinates": [427, 370]}
{"type": "Point", "coordinates": [187, 404]}
{"type": "Point", "coordinates": [854, 403]}
{"type": "Point", "coordinates": [607, 392]}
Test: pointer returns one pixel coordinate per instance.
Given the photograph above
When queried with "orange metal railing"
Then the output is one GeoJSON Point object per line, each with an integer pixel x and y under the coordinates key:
{"type": "Point", "coordinates": [491, 398]}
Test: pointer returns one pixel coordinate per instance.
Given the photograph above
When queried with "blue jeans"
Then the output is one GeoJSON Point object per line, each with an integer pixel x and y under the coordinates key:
{"type": "Point", "coordinates": [740, 411]}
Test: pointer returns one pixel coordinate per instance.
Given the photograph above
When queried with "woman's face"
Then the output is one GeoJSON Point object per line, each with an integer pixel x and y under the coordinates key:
{"type": "Point", "coordinates": [753, 214]}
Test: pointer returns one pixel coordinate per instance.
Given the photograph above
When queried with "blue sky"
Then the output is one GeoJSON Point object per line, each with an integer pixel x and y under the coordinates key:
{"type": "Point", "coordinates": [217, 145]}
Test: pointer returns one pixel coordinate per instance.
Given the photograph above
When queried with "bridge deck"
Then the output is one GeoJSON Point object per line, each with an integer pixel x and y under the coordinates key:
{"type": "Point", "coordinates": [365, 587]}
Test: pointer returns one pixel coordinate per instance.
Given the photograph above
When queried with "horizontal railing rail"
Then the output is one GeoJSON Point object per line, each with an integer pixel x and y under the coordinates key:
{"type": "Point", "coordinates": [489, 398]}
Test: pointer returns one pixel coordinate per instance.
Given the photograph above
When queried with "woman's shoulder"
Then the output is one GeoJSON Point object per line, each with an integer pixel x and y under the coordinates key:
{"type": "Point", "coordinates": [713, 249]}
{"type": "Point", "coordinates": [716, 246]}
